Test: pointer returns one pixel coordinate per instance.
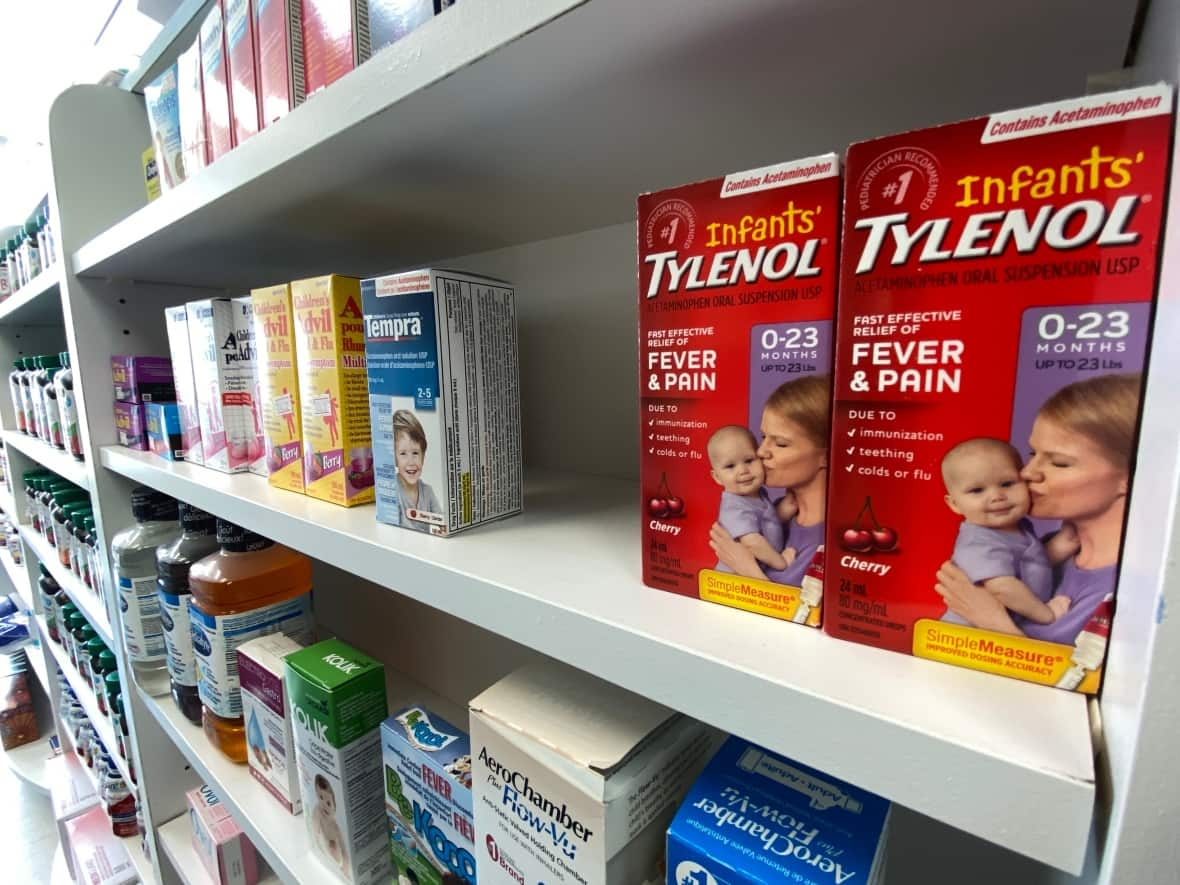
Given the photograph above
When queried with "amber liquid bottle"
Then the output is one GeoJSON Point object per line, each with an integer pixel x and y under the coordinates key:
{"type": "Point", "coordinates": [250, 587]}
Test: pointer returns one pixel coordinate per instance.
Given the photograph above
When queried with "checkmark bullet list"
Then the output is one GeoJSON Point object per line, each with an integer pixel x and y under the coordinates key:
{"type": "Point", "coordinates": [852, 431]}
{"type": "Point", "coordinates": [651, 423]}
{"type": "Point", "coordinates": [651, 451]}
{"type": "Point", "coordinates": [849, 467]}
{"type": "Point", "coordinates": [850, 449]}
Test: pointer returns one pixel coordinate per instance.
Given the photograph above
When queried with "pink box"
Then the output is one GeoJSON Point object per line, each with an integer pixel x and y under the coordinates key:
{"type": "Point", "coordinates": [278, 35]}
{"type": "Point", "coordinates": [99, 856]}
{"type": "Point", "coordinates": [243, 73]}
{"type": "Point", "coordinates": [215, 83]}
{"type": "Point", "coordinates": [227, 854]}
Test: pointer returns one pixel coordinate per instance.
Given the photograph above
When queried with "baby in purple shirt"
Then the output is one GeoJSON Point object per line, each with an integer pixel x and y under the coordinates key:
{"type": "Point", "coordinates": [746, 511]}
{"type": "Point", "coordinates": [997, 546]}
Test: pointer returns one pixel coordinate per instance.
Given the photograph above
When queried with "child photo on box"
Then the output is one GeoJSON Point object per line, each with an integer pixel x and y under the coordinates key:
{"type": "Point", "coordinates": [328, 835]}
{"type": "Point", "coordinates": [795, 429]}
{"type": "Point", "coordinates": [414, 496]}
{"type": "Point", "coordinates": [1078, 472]}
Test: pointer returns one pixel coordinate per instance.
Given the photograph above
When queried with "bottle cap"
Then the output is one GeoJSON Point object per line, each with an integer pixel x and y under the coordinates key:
{"type": "Point", "coordinates": [196, 521]}
{"type": "Point", "coordinates": [239, 540]}
{"type": "Point", "coordinates": [148, 505]}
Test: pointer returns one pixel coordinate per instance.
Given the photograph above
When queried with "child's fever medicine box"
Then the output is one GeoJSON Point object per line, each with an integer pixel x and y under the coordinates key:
{"type": "Point", "coordinates": [226, 853]}
{"type": "Point", "coordinates": [756, 818]}
{"type": "Point", "coordinates": [163, 430]}
{"type": "Point", "coordinates": [333, 389]}
{"type": "Point", "coordinates": [335, 39]}
{"type": "Point", "coordinates": [215, 83]}
{"type": "Point", "coordinates": [444, 393]}
{"type": "Point", "coordinates": [998, 276]}
{"type": "Point", "coordinates": [278, 34]}
{"type": "Point", "coordinates": [187, 408]}
{"type": "Point", "coordinates": [224, 380]}
{"type": "Point", "coordinates": [428, 797]}
{"type": "Point", "coordinates": [282, 419]}
{"type": "Point", "coordinates": [270, 743]}
{"type": "Point", "coordinates": [737, 296]}
{"type": "Point", "coordinates": [245, 335]}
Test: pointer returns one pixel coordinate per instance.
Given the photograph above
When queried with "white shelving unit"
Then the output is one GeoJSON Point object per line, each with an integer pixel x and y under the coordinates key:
{"type": "Point", "coordinates": [176, 838]}
{"type": "Point", "coordinates": [512, 138]}
{"type": "Point", "coordinates": [81, 595]}
{"type": "Point", "coordinates": [28, 762]}
{"type": "Point", "coordinates": [49, 457]}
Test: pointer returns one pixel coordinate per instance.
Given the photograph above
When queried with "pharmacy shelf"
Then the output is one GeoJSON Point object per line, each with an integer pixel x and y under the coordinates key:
{"type": "Point", "coordinates": [280, 837]}
{"type": "Point", "coordinates": [503, 122]}
{"type": "Point", "coordinates": [176, 838]}
{"type": "Point", "coordinates": [81, 595]}
{"type": "Point", "coordinates": [7, 502]}
{"type": "Point", "coordinates": [49, 457]}
{"type": "Point", "coordinates": [36, 655]}
{"type": "Point", "coordinates": [36, 304]}
{"type": "Point", "coordinates": [178, 34]}
{"type": "Point", "coordinates": [564, 579]}
{"type": "Point", "coordinates": [102, 724]}
{"type": "Point", "coordinates": [28, 762]}
{"type": "Point", "coordinates": [19, 578]}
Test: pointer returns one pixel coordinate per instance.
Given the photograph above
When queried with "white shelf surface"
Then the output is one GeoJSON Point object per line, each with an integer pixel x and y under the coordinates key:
{"type": "Point", "coordinates": [28, 762]}
{"type": "Point", "coordinates": [280, 837]}
{"type": "Point", "coordinates": [504, 122]}
{"type": "Point", "coordinates": [102, 725]}
{"type": "Point", "coordinates": [59, 874]}
{"type": "Point", "coordinates": [564, 579]}
{"type": "Point", "coordinates": [81, 595]}
{"type": "Point", "coordinates": [19, 578]}
{"type": "Point", "coordinates": [176, 838]}
{"type": "Point", "coordinates": [37, 303]}
{"type": "Point", "coordinates": [48, 457]}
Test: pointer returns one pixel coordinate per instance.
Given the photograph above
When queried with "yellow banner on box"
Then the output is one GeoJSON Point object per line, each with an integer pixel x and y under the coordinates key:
{"type": "Point", "coordinates": [754, 595]}
{"type": "Point", "coordinates": [1019, 657]}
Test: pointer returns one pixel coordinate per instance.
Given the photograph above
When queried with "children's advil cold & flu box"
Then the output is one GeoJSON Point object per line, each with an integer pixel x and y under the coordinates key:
{"type": "Point", "coordinates": [737, 281]}
{"type": "Point", "coordinates": [995, 318]}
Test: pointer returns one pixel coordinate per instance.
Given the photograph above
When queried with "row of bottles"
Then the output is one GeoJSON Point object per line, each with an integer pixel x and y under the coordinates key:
{"type": "Point", "coordinates": [64, 515]}
{"type": "Point", "coordinates": [192, 589]}
{"type": "Point", "coordinates": [42, 390]}
{"type": "Point", "coordinates": [27, 253]}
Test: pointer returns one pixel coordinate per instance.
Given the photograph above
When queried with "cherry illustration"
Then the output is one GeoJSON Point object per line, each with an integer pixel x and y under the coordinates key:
{"type": "Point", "coordinates": [663, 503]}
{"type": "Point", "coordinates": [858, 539]}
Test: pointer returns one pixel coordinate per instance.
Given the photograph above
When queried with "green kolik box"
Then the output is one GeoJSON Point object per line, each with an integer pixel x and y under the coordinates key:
{"type": "Point", "coordinates": [337, 697]}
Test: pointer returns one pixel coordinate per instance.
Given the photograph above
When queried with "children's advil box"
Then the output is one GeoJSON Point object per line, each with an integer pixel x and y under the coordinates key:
{"type": "Point", "coordinates": [282, 419]}
{"type": "Point", "coordinates": [737, 282]}
{"type": "Point", "coordinates": [444, 399]}
{"type": "Point", "coordinates": [428, 797]}
{"type": "Point", "coordinates": [996, 300]}
{"type": "Point", "coordinates": [756, 818]}
{"type": "Point", "coordinates": [575, 780]}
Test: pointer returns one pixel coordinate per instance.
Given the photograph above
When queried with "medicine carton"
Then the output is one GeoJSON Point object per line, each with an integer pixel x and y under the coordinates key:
{"type": "Point", "coordinates": [215, 83]}
{"type": "Point", "coordinates": [390, 20]}
{"type": "Point", "coordinates": [576, 780]}
{"type": "Point", "coordinates": [242, 72]}
{"type": "Point", "coordinates": [737, 288]}
{"type": "Point", "coordinates": [98, 856]}
{"type": "Point", "coordinates": [130, 428]}
{"type": "Point", "coordinates": [225, 851]}
{"type": "Point", "coordinates": [282, 419]}
{"type": "Point", "coordinates": [187, 408]}
{"type": "Point", "coordinates": [224, 379]}
{"type": "Point", "coordinates": [333, 390]}
{"type": "Point", "coordinates": [161, 99]}
{"type": "Point", "coordinates": [428, 797]}
{"type": "Point", "coordinates": [194, 138]}
{"type": "Point", "coordinates": [163, 430]}
{"type": "Point", "coordinates": [756, 818]}
{"type": "Point", "coordinates": [335, 39]}
{"type": "Point", "coordinates": [71, 793]}
{"type": "Point", "coordinates": [444, 397]}
{"type": "Point", "coordinates": [142, 379]}
{"type": "Point", "coordinates": [246, 333]}
{"type": "Point", "coordinates": [278, 33]}
{"type": "Point", "coordinates": [337, 696]}
{"type": "Point", "coordinates": [997, 285]}
{"type": "Point", "coordinates": [270, 741]}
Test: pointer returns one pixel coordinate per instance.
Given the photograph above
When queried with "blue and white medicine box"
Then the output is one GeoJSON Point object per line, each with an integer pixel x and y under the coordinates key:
{"type": "Point", "coordinates": [427, 765]}
{"type": "Point", "coordinates": [756, 817]}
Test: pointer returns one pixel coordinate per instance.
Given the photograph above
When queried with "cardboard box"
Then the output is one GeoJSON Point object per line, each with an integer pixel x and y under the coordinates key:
{"type": "Point", "coordinates": [428, 797]}
{"type": "Point", "coordinates": [278, 32]}
{"type": "Point", "coordinates": [756, 818]}
{"type": "Point", "coordinates": [72, 794]}
{"type": "Point", "coordinates": [576, 780]}
{"type": "Point", "coordinates": [337, 697]}
{"type": "Point", "coordinates": [163, 430]}
{"type": "Point", "coordinates": [737, 298]}
{"type": "Point", "coordinates": [333, 390]}
{"type": "Point", "coordinates": [247, 340]}
{"type": "Point", "coordinates": [220, 337]}
{"type": "Point", "coordinates": [282, 418]}
{"type": "Point", "coordinates": [194, 137]}
{"type": "Point", "coordinates": [444, 399]}
{"type": "Point", "coordinates": [998, 280]}
{"type": "Point", "coordinates": [270, 742]}
{"type": "Point", "coordinates": [161, 99]}
{"type": "Point", "coordinates": [187, 408]}
{"type": "Point", "coordinates": [142, 379]}
{"type": "Point", "coordinates": [335, 40]}
{"type": "Point", "coordinates": [98, 856]}
{"type": "Point", "coordinates": [215, 83]}
{"type": "Point", "coordinates": [226, 853]}
{"type": "Point", "coordinates": [243, 74]}
{"type": "Point", "coordinates": [130, 427]}
{"type": "Point", "coordinates": [151, 174]}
